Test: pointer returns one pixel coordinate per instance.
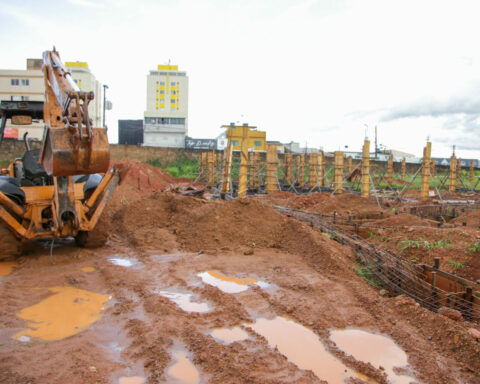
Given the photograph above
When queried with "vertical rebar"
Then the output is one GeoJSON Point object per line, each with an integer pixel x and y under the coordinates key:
{"type": "Point", "coordinates": [243, 175]}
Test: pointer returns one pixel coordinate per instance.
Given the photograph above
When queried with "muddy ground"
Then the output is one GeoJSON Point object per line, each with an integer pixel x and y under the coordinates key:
{"type": "Point", "coordinates": [167, 241]}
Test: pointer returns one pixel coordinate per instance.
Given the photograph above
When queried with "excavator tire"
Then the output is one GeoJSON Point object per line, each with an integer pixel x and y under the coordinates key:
{"type": "Point", "coordinates": [98, 236]}
{"type": "Point", "coordinates": [10, 246]}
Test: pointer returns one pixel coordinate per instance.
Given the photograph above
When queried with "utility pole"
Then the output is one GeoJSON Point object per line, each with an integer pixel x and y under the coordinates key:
{"type": "Point", "coordinates": [105, 87]}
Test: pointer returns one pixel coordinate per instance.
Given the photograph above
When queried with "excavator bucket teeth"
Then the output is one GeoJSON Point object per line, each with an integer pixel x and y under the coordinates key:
{"type": "Point", "coordinates": [64, 155]}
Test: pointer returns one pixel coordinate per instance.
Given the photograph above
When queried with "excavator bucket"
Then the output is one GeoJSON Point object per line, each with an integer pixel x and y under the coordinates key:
{"type": "Point", "coordinates": [64, 154]}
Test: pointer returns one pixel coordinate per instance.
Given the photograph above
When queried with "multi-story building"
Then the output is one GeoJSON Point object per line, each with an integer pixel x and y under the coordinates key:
{"type": "Point", "coordinates": [87, 82]}
{"type": "Point", "coordinates": [23, 85]}
{"type": "Point", "coordinates": [28, 85]}
{"type": "Point", "coordinates": [166, 116]}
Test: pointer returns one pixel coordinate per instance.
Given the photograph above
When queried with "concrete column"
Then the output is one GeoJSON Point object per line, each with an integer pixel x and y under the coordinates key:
{"type": "Point", "coordinates": [452, 186]}
{"type": "Point", "coordinates": [366, 169]}
{"type": "Point", "coordinates": [313, 170]}
{"type": "Point", "coordinates": [243, 175]}
{"type": "Point", "coordinates": [427, 153]}
{"type": "Point", "coordinates": [321, 168]}
{"type": "Point", "coordinates": [338, 176]}
{"type": "Point", "coordinates": [272, 168]}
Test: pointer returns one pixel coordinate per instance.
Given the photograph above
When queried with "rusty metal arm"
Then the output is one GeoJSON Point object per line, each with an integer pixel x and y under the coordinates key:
{"type": "Point", "coordinates": [103, 202]}
{"type": "Point", "coordinates": [15, 208]}
{"type": "Point", "coordinates": [101, 187]}
{"type": "Point", "coordinates": [11, 222]}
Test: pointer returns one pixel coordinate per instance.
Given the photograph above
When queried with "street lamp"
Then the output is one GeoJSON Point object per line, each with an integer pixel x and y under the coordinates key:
{"type": "Point", "coordinates": [105, 87]}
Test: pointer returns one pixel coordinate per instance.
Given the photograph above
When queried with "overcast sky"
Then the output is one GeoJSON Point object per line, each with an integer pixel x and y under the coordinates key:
{"type": "Point", "coordinates": [317, 72]}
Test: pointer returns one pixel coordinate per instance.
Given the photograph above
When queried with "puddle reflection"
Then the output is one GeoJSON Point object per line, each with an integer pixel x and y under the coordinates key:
{"type": "Point", "coordinates": [183, 370]}
{"type": "Point", "coordinates": [230, 284]}
{"type": "Point", "coordinates": [381, 351]}
{"type": "Point", "coordinates": [183, 300]}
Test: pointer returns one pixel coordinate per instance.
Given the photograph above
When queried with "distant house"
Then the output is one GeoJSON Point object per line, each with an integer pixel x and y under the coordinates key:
{"type": "Point", "coordinates": [256, 139]}
{"type": "Point", "coordinates": [278, 144]}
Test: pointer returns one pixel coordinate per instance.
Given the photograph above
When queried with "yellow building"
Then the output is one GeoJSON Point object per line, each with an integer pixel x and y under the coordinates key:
{"type": "Point", "coordinates": [256, 139]}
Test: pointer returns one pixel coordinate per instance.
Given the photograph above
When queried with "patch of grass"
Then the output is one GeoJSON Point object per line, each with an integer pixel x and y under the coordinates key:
{"type": "Point", "coordinates": [475, 247]}
{"type": "Point", "coordinates": [456, 265]}
{"type": "Point", "coordinates": [4, 163]}
{"type": "Point", "coordinates": [383, 239]}
{"type": "Point", "coordinates": [423, 244]}
{"type": "Point", "coordinates": [329, 235]}
{"type": "Point", "coordinates": [179, 168]}
{"type": "Point", "coordinates": [365, 273]}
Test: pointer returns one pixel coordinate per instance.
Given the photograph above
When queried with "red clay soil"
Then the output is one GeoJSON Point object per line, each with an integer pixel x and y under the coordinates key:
{"type": "Point", "coordinates": [470, 218]}
{"type": "Point", "coordinates": [402, 219]}
{"type": "Point", "coordinates": [422, 244]}
{"type": "Point", "coordinates": [170, 239]}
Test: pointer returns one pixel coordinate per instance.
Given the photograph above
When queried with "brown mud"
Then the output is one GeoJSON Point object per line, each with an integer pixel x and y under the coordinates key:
{"type": "Point", "coordinates": [170, 241]}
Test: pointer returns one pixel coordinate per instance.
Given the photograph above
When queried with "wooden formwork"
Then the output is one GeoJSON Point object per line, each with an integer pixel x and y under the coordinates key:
{"type": "Point", "coordinates": [390, 171]}
{"type": "Point", "coordinates": [427, 153]}
{"type": "Point", "coordinates": [313, 170]}
{"type": "Point", "coordinates": [321, 168]}
{"type": "Point", "coordinates": [288, 169]}
{"type": "Point", "coordinates": [452, 186]}
{"type": "Point", "coordinates": [366, 169]}
{"type": "Point", "coordinates": [271, 182]}
{"type": "Point", "coordinates": [338, 175]}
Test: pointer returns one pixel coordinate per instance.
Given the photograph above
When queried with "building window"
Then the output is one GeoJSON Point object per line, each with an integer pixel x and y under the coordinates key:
{"type": "Point", "coordinates": [235, 143]}
{"type": "Point", "coordinates": [25, 82]}
{"type": "Point", "coordinates": [14, 82]}
{"type": "Point", "coordinates": [257, 143]}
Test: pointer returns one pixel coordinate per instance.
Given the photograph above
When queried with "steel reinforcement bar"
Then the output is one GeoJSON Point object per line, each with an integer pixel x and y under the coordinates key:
{"type": "Point", "coordinates": [429, 286]}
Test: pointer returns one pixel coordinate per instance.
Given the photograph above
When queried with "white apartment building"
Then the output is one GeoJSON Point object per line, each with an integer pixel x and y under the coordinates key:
{"type": "Point", "coordinates": [166, 116]}
{"type": "Point", "coordinates": [28, 85]}
{"type": "Point", "coordinates": [23, 85]}
{"type": "Point", "coordinates": [87, 82]}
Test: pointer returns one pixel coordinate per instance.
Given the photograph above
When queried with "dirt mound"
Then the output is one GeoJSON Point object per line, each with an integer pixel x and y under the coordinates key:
{"type": "Point", "coordinates": [402, 220]}
{"type": "Point", "coordinates": [162, 219]}
{"type": "Point", "coordinates": [138, 180]}
{"type": "Point", "coordinates": [470, 218]}
{"type": "Point", "coordinates": [347, 204]}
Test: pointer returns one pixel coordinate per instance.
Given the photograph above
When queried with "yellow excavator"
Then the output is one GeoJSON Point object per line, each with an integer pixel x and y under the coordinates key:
{"type": "Point", "coordinates": [61, 189]}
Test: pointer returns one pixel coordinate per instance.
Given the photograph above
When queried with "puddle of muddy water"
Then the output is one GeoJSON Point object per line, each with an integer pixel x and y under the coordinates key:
{"type": "Point", "coordinates": [6, 267]}
{"type": "Point", "coordinates": [229, 335]}
{"type": "Point", "coordinates": [122, 261]}
{"type": "Point", "coordinates": [183, 300]}
{"type": "Point", "coordinates": [69, 311]}
{"type": "Point", "coordinates": [304, 348]}
{"type": "Point", "coordinates": [131, 380]}
{"type": "Point", "coordinates": [230, 284]}
{"type": "Point", "coordinates": [87, 269]}
{"type": "Point", "coordinates": [183, 370]}
{"type": "Point", "coordinates": [375, 349]}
